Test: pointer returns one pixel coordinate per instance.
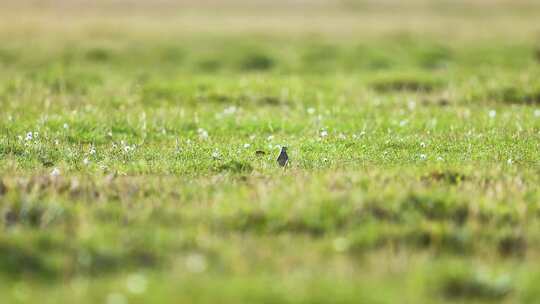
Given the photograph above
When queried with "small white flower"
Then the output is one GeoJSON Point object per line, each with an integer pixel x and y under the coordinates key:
{"type": "Point", "coordinates": [439, 158]}
{"type": "Point", "coordinates": [422, 144]}
{"type": "Point", "coordinates": [230, 110]}
{"type": "Point", "coordinates": [109, 134]}
{"type": "Point", "coordinates": [215, 154]}
{"type": "Point", "coordinates": [92, 150]}
{"type": "Point", "coordinates": [56, 142]}
{"type": "Point", "coordinates": [270, 137]}
{"type": "Point", "coordinates": [311, 110]}
{"type": "Point", "coordinates": [509, 161]}
{"type": "Point", "coordinates": [342, 136]}
{"type": "Point", "coordinates": [252, 137]}
{"type": "Point", "coordinates": [86, 161]}
{"type": "Point", "coordinates": [411, 105]}
{"type": "Point", "coordinates": [55, 172]}
{"type": "Point", "coordinates": [492, 113]}
{"type": "Point", "coordinates": [324, 133]}
{"type": "Point", "coordinates": [247, 146]}
{"type": "Point", "coordinates": [537, 113]}
{"type": "Point", "coordinates": [403, 123]}
{"type": "Point", "coordinates": [66, 126]}
{"type": "Point", "coordinates": [196, 263]}
{"type": "Point", "coordinates": [127, 149]}
{"type": "Point", "coordinates": [29, 136]}
{"type": "Point", "coordinates": [423, 156]}
{"type": "Point", "coordinates": [136, 283]}
{"type": "Point", "coordinates": [203, 134]}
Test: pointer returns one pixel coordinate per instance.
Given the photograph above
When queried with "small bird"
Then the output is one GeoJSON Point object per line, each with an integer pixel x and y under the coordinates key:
{"type": "Point", "coordinates": [283, 158]}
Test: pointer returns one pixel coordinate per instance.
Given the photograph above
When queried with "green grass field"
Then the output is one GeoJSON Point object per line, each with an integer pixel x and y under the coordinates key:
{"type": "Point", "coordinates": [129, 172]}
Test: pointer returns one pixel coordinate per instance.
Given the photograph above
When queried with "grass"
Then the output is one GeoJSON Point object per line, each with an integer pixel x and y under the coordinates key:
{"type": "Point", "coordinates": [129, 170]}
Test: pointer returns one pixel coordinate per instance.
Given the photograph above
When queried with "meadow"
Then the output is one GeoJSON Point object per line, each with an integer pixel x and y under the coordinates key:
{"type": "Point", "coordinates": [138, 146]}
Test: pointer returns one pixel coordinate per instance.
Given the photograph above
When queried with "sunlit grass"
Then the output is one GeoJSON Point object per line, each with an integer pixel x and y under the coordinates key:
{"type": "Point", "coordinates": [143, 168]}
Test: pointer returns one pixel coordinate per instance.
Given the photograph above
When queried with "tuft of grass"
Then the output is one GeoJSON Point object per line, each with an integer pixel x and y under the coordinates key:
{"type": "Point", "coordinates": [235, 167]}
{"type": "Point", "coordinates": [404, 83]}
{"type": "Point", "coordinates": [462, 284]}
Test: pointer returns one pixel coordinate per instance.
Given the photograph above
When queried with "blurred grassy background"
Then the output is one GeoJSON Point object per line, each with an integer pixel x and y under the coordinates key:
{"type": "Point", "coordinates": [346, 18]}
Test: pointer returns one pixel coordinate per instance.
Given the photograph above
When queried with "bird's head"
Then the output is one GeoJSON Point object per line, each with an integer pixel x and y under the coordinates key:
{"type": "Point", "coordinates": [284, 149]}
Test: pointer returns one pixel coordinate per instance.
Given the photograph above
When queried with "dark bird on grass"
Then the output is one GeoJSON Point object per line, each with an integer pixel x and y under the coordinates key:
{"type": "Point", "coordinates": [283, 158]}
